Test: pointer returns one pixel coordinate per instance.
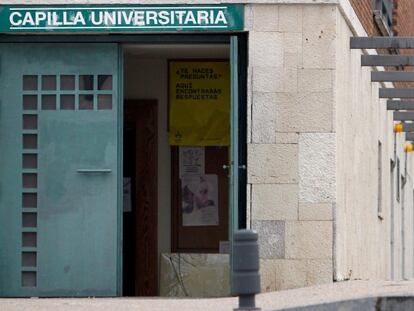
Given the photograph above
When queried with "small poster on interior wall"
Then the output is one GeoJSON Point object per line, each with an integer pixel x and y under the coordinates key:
{"type": "Point", "coordinates": [199, 103]}
{"type": "Point", "coordinates": [192, 161]}
{"type": "Point", "coordinates": [199, 197]}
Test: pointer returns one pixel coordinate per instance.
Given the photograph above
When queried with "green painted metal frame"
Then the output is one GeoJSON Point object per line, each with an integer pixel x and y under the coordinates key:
{"type": "Point", "coordinates": [239, 90]}
{"type": "Point", "coordinates": [138, 38]}
{"type": "Point", "coordinates": [234, 155]}
{"type": "Point", "coordinates": [120, 164]}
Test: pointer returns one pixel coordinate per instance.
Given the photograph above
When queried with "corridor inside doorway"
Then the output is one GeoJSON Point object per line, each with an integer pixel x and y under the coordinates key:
{"type": "Point", "coordinates": [176, 136]}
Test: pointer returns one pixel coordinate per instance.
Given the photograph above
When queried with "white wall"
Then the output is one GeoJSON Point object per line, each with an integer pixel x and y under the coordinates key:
{"type": "Point", "coordinates": [362, 239]}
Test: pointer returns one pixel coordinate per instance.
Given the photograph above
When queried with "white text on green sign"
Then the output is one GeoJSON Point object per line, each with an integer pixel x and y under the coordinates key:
{"type": "Point", "coordinates": [156, 18]}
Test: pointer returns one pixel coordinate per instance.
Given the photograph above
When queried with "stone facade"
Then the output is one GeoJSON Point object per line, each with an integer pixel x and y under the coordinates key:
{"type": "Point", "coordinates": [291, 155]}
{"type": "Point", "coordinates": [314, 127]}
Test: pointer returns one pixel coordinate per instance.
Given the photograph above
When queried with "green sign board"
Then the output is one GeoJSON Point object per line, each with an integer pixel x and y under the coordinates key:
{"type": "Point", "coordinates": [125, 18]}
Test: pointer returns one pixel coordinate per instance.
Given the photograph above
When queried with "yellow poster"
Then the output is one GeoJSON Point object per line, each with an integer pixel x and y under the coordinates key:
{"type": "Point", "coordinates": [199, 97]}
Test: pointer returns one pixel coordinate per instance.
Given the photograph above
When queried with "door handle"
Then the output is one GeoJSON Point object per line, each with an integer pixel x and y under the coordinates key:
{"type": "Point", "coordinates": [94, 170]}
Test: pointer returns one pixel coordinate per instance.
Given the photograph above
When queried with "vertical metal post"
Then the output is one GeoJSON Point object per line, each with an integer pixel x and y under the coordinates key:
{"type": "Point", "coordinates": [234, 147]}
{"type": "Point", "coordinates": [246, 277]}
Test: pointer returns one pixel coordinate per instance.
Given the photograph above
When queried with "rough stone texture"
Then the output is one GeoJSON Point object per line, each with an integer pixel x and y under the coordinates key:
{"type": "Point", "coordinates": [265, 17]}
{"type": "Point", "coordinates": [248, 17]}
{"type": "Point", "coordinates": [248, 206]}
{"type": "Point", "coordinates": [272, 163]}
{"type": "Point", "coordinates": [282, 274]}
{"type": "Point", "coordinates": [315, 211]}
{"type": "Point", "coordinates": [292, 99]}
{"type": "Point", "coordinates": [267, 79]}
{"type": "Point", "coordinates": [266, 49]}
{"type": "Point", "coordinates": [275, 201]}
{"type": "Point", "coordinates": [271, 238]}
{"type": "Point", "coordinates": [318, 53]}
{"type": "Point", "coordinates": [290, 79]}
{"type": "Point", "coordinates": [315, 80]}
{"type": "Point", "coordinates": [268, 274]}
{"type": "Point", "coordinates": [308, 240]}
{"type": "Point", "coordinates": [317, 174]}
{"type": "Point", "coordinates": [292, 60]}
{"type": "Point", "coordinates": [287, 138]}
{"type": "Point", "coordinates": [264, 118]}
{"type": "Point", "coordinates": [304, 112]}
{"type": "Point", "coordinates": [319, 22]}
{"type": "Point", "coordinates": [305, 272]}
{"type": "Point", "coordinates": [292, 43]}
{"type": "Point", "coordinates": [319, 30]}
{"type": "Point", "coordinates": [249, 103]}
{"type": "Point", "coordinates": [290, 18]}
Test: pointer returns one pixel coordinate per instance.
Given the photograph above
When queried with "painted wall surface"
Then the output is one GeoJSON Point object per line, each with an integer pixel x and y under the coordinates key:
{"type": "Point", "coordinates": [368, 246]}
{"type": "Point", "coordinates": [362, 122]}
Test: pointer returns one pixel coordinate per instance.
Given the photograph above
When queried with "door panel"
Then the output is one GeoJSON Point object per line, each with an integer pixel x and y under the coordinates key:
{"type": "Point", "coordinates": [59, 181]}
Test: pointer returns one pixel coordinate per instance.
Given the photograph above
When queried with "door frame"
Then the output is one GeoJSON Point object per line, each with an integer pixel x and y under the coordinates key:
{"type": "Point", "coordinates": [169, 38]}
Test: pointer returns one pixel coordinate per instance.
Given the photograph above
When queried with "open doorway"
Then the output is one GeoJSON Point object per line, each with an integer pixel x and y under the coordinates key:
{"type": "Point", "coordinates": [160, 199]}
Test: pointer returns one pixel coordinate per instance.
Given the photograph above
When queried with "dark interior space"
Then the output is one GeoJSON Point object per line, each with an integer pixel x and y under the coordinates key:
{"type": "Point", "coordinates": [129, 216]}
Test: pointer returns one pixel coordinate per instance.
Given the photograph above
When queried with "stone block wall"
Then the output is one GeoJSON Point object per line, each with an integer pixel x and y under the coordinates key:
{"type": "Point", "coordinates": [315, 122]}
{"type": "Point", "coordinates": [291, 151]}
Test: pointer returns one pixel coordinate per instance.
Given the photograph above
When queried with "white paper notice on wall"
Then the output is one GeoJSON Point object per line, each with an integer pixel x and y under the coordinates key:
{"type": "Point", "coordinates": [127, 195]}
{"type": "Point", "coordinates": [199, 200]}
{"type": "Point", "coordinates": [192, 161]}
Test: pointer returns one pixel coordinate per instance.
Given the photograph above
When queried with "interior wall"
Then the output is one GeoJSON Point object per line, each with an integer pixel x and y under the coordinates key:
{"type": "Point", "coordinates": [147, 79]}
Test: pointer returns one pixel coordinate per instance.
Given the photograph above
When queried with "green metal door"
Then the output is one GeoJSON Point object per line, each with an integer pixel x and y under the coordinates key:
{"type": "Point", "coordinates": [59, 169]}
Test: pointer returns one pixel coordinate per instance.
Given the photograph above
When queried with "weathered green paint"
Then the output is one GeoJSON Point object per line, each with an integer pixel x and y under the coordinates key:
{"type": "Point", "coordinates": [234, 144]}
{"type": "Point", "coordinates": [77, 211]}
{"type": "Point", "coordinates": [121, 18]}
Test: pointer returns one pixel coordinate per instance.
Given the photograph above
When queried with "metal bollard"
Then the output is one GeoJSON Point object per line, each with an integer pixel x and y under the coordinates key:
{"type": "Point", "coordinates": [246, 277]}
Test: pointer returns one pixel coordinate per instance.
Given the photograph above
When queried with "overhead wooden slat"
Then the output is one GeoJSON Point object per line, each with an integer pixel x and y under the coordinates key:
{"type": "Point", "coordinates": [382, 42]}
{"type": "Point", "coordinates": [400, 104]}
{"type": "Point", "coordinates": [409, 136]}
{"type": "Point", "coordinates": [408, 127]}
{"type": "Point", "coordinates": [392, 76]}
{"type": "Point", "coordinates": [396, 93]}
{"type": "Point", "coordinates": [403, 115]}
{"type": "Point", "coordinates": [387, 60]}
